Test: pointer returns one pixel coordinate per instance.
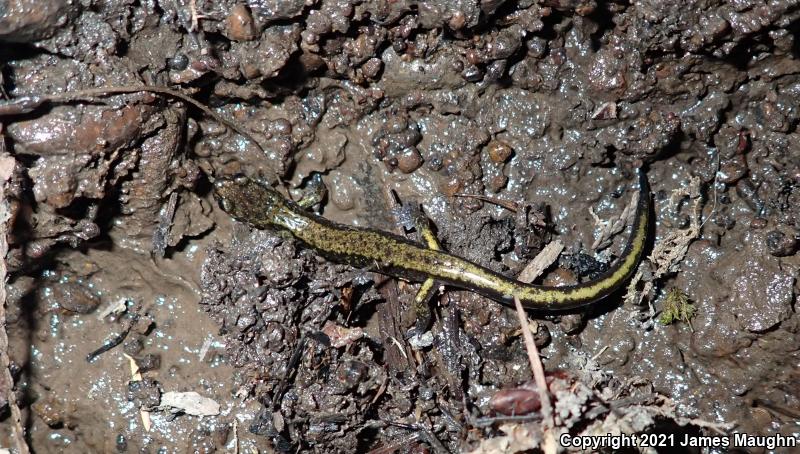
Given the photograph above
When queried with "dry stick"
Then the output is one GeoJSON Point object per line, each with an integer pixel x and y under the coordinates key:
{"type": "Point", "coordinates": [536, 367]}
{"type": "Point", "coordinates": [6, 168]}
{"type": "Point", "coordinates": [714, 206]}
{"type": "Point", "coordinates": [27, 104]}
{"type": "Point", "coordinates": [548, 256]}
{"type": "Point", "coordinates": [507, 204]}
{"type": "Point", "coordinates": [533, 354]}
{"type": "Point", "coordinates": [541, 262]}
{"type": "Point", "coordinates": [612, 227]}
{"type": "Point", "coordinates": [127, 89]}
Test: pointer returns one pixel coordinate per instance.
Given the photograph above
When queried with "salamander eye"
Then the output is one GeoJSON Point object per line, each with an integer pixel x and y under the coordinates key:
{"type": "Point", "coordinates": [240, 179]}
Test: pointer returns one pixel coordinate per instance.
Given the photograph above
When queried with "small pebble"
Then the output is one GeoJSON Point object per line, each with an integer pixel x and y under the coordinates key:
{"type": "Point", "coordinates": [144, 393]}
{"type": "Point", "coordinates": [311, 62]}
{"type": "Point", "coordinates": [284, 147]}
{"type": "Point", "coordinates": [542, 336]}
{"type": "Point", "coordinates": [409, 160]}
{"type": "Point", "coordinates": [372, 68]}
{"type": "Point", "coordinates": [496, 69]}
{"type": "Point", "coordinates": [560, 277]}
{"type": "Point", "coordinates": [350, 373]}
{"type": "Point", "coordinates": [249, 71]}
{"type": "Point", "coordinates": [780, 244]}
{"type": "Point", "coordinates": [121, 443]}
{"type": "Point", "coordinates": [747, 192]}
{"type": "Point", "coordinates": [471, 204]}
{"type": "Point", "coordinates": [150, 361]}
{"type": "Point", "coordinates": [435, 162]}
{"type": "Point", "coordinates": [457, 21]}
{"type": "Point", "coordinates": [473, 57]}
{"type": "Point", "coordinates": [282, 127]}
{"type": "Point", "coordinates": [143, 325]}
{"type": "Point", "coordinates": [497, 183]}
{"type": "Point", "coordinates": [472, 74]}
{"type": "Point", "coordinates": [572, 323]}
{"type": "Point", "coordinates": [73, 297]}
{"type": "Point", "coordinates": [133, 346]}
{"type": "Point", "coordinates": [732, 170]}
{"type": "Point", "coordinates": [178, 62]}
{"type": "Point", "coordinates": [451, 187]}
{"type": "Point", "coordinates": [239, 25]}
{"type": "Point", "coordinates": [51, 412]}
{"type": "Point", "coordinates": [499, 151]}
{"type": "Point", "coordinates": [574, 341]}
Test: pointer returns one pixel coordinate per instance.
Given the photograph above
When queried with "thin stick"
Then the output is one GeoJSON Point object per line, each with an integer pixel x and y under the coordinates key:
{"type": "Point", "coordinates": [544, 259]}
{"type": "Point", "coordinates": [533, 355]}
{"type": "Point", "coordinates": [508, 205]}
{"type": "Point", "coordinates": [714, 184]}
{"type": "Point", "coordinates": [541, 262]}
{"type": "Point", "coordinates": [127, 89]}
{"type": "Point", "coordinates": [538, 376]}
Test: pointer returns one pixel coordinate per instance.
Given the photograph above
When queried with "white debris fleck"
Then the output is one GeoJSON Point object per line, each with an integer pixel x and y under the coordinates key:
{"type": "Point", "coordinates": [190, 403]}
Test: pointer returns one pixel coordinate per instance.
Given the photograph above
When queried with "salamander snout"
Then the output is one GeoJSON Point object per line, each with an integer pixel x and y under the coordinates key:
{"type": "Point", "coordinates": [247, 200]}
{"type": "Point", "coordinates": [224, 188]}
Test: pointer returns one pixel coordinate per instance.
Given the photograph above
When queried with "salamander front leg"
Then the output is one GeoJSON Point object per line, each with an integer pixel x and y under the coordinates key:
{"type": "Point", "coordinates": [422, 309]}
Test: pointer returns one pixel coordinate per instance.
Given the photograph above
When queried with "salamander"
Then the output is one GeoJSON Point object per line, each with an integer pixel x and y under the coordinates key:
{"type": "Point", "coordinates": [263, 207]}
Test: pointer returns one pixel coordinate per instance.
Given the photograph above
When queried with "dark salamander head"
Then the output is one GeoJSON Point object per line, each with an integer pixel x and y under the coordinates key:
{"type": "Point", "coordinates": [248, 201]}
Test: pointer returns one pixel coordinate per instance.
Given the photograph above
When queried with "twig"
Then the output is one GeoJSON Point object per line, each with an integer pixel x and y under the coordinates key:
{"type": "Point", "coordinates": [6, 168]}
{"type": "Point", "coordinates": [714, 185]}
{"type": "Point", "coordinates": [399, 346]}
{"type": "Point", "coordinates": [136, 375]}
{"type": "Point", "coordinates": [541, 262]}
{"type": "Point", "coordinates": [191, 27]}
{"type": "Point", "coordinates": [235, 436]}
{"type": "Point", "coordinates": [3, 91]}
{"type": "Point", "coordinates": [111, 343]}
{"type": "Point", "coordinates": [29, 103]}
{"type": "Point", "coordinates": [293, 363]}
{"type": "Point", "coordinates": [508, 205]}
{"type": "Point", "coordinates": [195, 16]}
{"type": "Point", "coordinates": [777, 408]}
{"type": "Point", "coordinates": [165, 219]}
{"type": "Point", "coordinates": [612, 227]}
{"type": "Point", "coordinates": [544, 259]}
{"type": "Point", "coordinates": [492, 420]}
{"type": "Point", "coordinates": [548, 444]}
{"type": "Point", "coordinates": [112, 307]}
{"type": "Point", "coordinates": [393, 447]}
{"type": "Point", "coordinates": [533, 355]}
{"type": "Point", "coordinates": [426, 434]}
{"type": "Point", "coordinates": [597, 355]}
{"type": "Point", "coordinates": [205, 348]}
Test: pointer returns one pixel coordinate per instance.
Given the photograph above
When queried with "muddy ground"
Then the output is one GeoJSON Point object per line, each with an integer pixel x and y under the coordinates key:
{"type": "Point", "coordinates": [544, 106]}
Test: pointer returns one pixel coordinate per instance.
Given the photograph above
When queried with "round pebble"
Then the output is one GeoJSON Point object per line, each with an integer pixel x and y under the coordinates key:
{"type": "Point", "coordinates": [499, 151]}
{"type": "Point", "coordinates": [409, 160]}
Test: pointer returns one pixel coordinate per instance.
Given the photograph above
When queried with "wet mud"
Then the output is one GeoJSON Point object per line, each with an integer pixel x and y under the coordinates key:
{"type": "Point", "coordinates": [511, 123]}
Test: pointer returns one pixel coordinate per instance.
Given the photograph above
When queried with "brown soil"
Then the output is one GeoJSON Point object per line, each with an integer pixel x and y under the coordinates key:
{"type": "Point", "coordinates": [549, 105]}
